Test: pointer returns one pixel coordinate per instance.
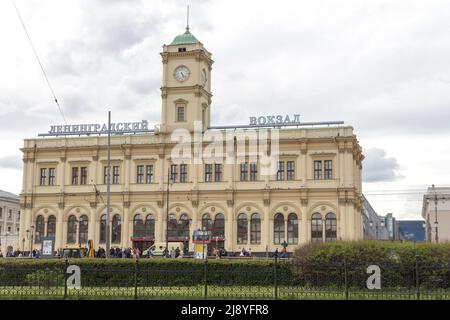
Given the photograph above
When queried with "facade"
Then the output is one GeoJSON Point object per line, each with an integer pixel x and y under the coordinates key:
{"type": "Point", "coordinates": [436, 212]}
{"type": "Point", "coordinates": [9, 222]}
{"type": "Point", "coordinates": [314, 193]}
{"type": "Point", "coordinates": [374, 226]}
{"type": "Point", "coordinates": [411, 230]}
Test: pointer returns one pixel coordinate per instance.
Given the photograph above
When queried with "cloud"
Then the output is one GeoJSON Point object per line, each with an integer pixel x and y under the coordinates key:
{"type": "Point", "coordinates": [377, 167]}
{"type": "Point", "coordinates": [11, 162]}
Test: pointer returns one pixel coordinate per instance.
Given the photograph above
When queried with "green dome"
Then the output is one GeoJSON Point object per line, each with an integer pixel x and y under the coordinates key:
{"type": "Point", "coordinates": [185, 38]}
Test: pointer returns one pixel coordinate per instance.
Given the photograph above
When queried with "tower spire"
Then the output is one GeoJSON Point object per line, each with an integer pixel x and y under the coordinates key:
{"type": "Point", "coordinates": [187, 19]}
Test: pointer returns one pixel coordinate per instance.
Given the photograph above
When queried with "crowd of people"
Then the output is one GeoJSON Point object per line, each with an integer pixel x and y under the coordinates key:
{"type": "Point", "coordinates": [136, 253]}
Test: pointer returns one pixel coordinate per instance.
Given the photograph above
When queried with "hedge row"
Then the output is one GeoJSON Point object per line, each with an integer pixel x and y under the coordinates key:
{"type": "Point", "coordinates": [374, 252]}
{"type": "Point", "coordinates": [401, 264]}
{"type": "Point", "coordinates": [148, 272]}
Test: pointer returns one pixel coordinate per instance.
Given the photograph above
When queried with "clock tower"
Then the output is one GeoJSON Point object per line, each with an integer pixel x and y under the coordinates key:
{"type": "Point", "coordinates": [186, 86]}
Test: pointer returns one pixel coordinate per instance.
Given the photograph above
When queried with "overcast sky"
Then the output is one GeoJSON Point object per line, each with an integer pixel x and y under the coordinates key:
{"type": "Point", "coordinates": [383, 67]}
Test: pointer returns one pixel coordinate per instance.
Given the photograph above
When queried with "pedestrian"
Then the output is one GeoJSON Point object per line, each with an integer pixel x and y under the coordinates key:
{"type": "Point", "coordinates": [249, 252]}
{"type": "Point", "coordinates": [276, 252]}
{"type": "Point", "coordinates": [177, 252]}
{"type": "Point", "coordinates": [172, 253]}
{"type": "Point", "coordinates": [242, 254]}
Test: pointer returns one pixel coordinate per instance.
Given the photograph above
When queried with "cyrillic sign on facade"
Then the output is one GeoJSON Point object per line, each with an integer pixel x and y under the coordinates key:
{"type": "Point", "coordinates": [275, 120]}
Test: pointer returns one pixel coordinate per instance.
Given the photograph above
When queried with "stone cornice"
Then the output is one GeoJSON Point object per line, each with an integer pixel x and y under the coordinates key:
{"type": "Point", "coordinates": [198, 54]}
{"type": "Point", "coordinates": [198, 90]}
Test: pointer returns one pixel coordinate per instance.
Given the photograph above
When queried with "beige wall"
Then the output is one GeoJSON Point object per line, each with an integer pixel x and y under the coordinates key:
{"type": "Point", "coordinates": [443, 214]}
{"type": "Point", "coordinates": [304, 195]}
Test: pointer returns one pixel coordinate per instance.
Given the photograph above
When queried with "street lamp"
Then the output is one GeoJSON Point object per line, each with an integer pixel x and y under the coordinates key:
{"type": "Point", "coordinates": [169, 182]}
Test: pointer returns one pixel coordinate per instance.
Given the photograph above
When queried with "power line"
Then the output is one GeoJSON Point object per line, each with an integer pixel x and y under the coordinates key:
{"type": "Point", "coordinates": [40, 64]}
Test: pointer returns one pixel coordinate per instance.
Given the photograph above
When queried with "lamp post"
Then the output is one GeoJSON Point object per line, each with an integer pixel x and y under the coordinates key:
{"type": "Point", "coordinates": [31, 240]}
{"type": "Point", "coordinates": [169, 180]}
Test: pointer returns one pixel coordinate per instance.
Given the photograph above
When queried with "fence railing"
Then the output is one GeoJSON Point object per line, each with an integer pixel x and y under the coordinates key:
{"type": "Point", "coordinates": [279, 280]}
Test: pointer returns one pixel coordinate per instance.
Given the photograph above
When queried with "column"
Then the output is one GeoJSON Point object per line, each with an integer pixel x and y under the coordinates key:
{"type": "Point", "coordinates": [61, 174]}
{"type": "Point", "coordinates": [229, 228]}
{"type": "Point", "coordinates": [126, 242]}
{"type": "Point", "coordinates": [342, 223]}
{"type": "Point", "coordinates": [341, 159]}
{"type": "Point", "coordinates": [159, 171]}
{"type": "Point", "coordinates": [159, 226]}
{"type": "Point", "coordinates": [266, 235]}
{"type": "Point", "coordinates": [91, 225]}
{"type": "Point", "coordinates": [349, 168]}
{"type": "Point", "coordinates": [127, 165]}
{"type": "Point", "coordinates": [304, 233]}
{"type": "Point", "coordinates": [303, 173]}
{"type": "Point", "coordinates": [59, 242]}
{"type": "Point", "coordinates": [26, 225]}
{"type": "Point", "coordinates": [194, 224]}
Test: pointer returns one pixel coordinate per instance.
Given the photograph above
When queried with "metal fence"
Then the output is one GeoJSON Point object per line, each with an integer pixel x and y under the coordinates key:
{"type": "Point", "coordinates": [279, 280]}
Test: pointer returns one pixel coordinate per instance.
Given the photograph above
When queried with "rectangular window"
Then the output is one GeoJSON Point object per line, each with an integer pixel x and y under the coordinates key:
{"type": "Point", "coordinates": [51, 176]}
{"type": "Point", "coordinates": [218, 172]}
{"type": "Point", "coordinates": [183, 172]}
{"type": "Point", "coordinates": [328, 170]}
{"type": "Point", "coordinates": [116, 175]}
{"type": "Point", "coordinates": [43, 178]}
{"type": "Point", "coordinates": [174, 172]}
{"type": "Point", "coordinates": [83, 175]}
{"type": "Point", "coordinates": [244, 171]}
{"type": "Point", "coordinates": [75, 175]}
{"type": "Point", "coordinates": [317, 169]}
{"type": "Point", "coordinates": [149, 174]}
{"type": "Point", "coordinates": [180, 114]}
{"type": "Point", "coordinates": [290, 170]}
{"type": "Point", "coordinates": [280, 171]}
{"type": "Point", "coordinates": [253, 171]}
{"type": "Point", "coordinates": [140, 174]}
{"type": "Point", "coordinates": [208, 172]}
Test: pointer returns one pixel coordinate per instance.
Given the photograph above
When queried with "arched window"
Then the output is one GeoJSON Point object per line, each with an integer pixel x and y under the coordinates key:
{"type": "Point", "coordinates": [150, 226]}
{"type": "Point", "coordinates": [292, 229]}
{"type": "Point", "coordinates": [138, 226]}
{"type": "Point", "coordinates": [330, 227]}
{"type": "Point", "coordinates": [39, 231]}
{"type": "Point", "coordinates": [278, 229]}
{"type": "Point", "coordinates": [83, 235]}
{"type": "Point", "coordinates": [72, 229]}
{"type": "Point", "coordinates": [183, 227]}
{"type": "Point", "coordinates": [218, 229]}
{"type": "Point", "coordinates": [242, 234]}
{"type": "Point", "coordinates": [103, 229]}
{"type": "Point", "coordinates": [206, 222]}
{"type": "Point", "coordinates": [51, 226]}
{"type": "Point", "coordinates": [116, 229]}
{"type": "Point", "coordinates": [316, 227]}
{"type": "Point", "coordinates": [172, 227]}
{"type": "Point", "coordinates": [255, 229]}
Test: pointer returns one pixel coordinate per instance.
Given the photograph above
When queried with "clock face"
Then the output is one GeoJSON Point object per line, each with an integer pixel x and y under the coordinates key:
{"type": "Point", "coordinates": [182, 73]}
{"type": "Point", "coordinates": [204, 78]}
